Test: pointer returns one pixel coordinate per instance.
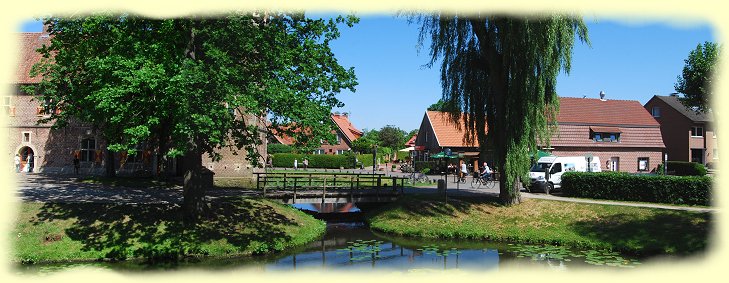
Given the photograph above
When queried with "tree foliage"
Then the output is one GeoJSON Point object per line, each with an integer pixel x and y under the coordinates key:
{"type": "Point", "coordinates": [366, 142]}
{"type": "Point", "coordinates": [392, 137]}
{"type": "Point", "coordinates": [194, 86]}
{"type": "Point", "coordinates": [443, 106]}
{"type": "Point", "coordinates": [502, 70]}
{"type": "Point", "coordinates": [696, 79]}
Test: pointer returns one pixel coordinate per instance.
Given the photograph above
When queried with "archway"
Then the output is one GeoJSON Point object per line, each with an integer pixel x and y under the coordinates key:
{"type": "Point", "coordinates": [27, 157]}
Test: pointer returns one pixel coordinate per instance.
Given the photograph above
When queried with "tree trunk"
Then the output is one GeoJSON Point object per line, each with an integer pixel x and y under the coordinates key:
{"type": "Point", "coordinates": [109, 161]}
{"type": "Point", "coordinates": [193, 204]}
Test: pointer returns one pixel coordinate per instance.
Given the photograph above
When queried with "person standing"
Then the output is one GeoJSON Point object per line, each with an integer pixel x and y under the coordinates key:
{"type": "Point", "coordinates": [464, 172]}
{"type": "Point", "coordinates": [306, 163]}
{"type": "Point", "coordinates": [17, 163]}
{"type": "Point", "coordinates": [31, 162]}
{"type": "Point", "coordinates": [296, 164]}
{"type": "Point", "coordinates": [76, 164]}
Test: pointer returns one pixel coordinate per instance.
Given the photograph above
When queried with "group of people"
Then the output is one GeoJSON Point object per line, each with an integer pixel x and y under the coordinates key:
{"type": "Point", "coordinates": [485, 171]}
{"type": "Point", "coordinates": [28, 167]}
{"type": "Point", "coordinates": [305, 163]}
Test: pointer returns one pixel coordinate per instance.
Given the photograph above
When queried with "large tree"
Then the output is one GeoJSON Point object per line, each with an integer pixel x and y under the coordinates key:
{"type": "Point", "coordinates": [392, 137]}
{"type": "Point", "coordinates": [194, 86]}
{"type": "Point", "coordinates": [696, 79]}
{"type": "Point", "coordinates": [502, 70]}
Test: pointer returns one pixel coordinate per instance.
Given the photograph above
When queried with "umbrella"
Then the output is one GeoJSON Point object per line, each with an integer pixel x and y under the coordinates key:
{"type": "Point", "coordinates": [539, 154]}
{"type": "Point", "coordinates": [408, 149]}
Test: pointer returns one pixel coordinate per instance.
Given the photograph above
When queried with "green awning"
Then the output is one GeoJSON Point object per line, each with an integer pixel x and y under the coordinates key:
{"type": "Point", "coordinates": [443, 155]}
{"type": "Point", "coordinates": [539, 154]}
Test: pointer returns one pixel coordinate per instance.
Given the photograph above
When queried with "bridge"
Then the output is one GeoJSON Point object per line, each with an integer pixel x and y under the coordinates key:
{"type": "Point", "coordinates": [323, 187]}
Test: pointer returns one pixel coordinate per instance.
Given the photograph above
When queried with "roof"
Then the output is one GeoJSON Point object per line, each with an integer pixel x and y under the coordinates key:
{"type": "Point", "coordinates": [411, 141]}
{"type": "Point", "coordinates": [30, 42]}
{"type": "Point", "coordinates": [446, 132]}
{"type": "Point", "coordinates": [346, 127]}
{"type": "Point", "coordinates": [635, 137]}
{"type": "Point", "coordinates": [342, 121]}
{"type": "Point", "coordinates": [592, 111]}
{"type": "Point", "coordinates": [688, 112]}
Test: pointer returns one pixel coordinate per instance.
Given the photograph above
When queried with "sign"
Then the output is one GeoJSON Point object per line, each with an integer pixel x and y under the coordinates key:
{"type": "Point", "coordinates": [419, 147]}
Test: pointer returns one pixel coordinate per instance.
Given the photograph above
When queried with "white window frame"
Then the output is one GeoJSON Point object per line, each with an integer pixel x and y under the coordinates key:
{"type": "Point", "coordinates": [696, 129]}
{"type": "Point", "coordinates": [7, 105]}
{"type": "Point", "coordinates": [715, 153]}
{"type": "Point", "coordinates": [30, 137]}
{"type": "Point", "coordinates": [340, 151]}
{"type": "Point", "coordinates": [647, 164]}
{"type": "Point", "coordinates": [91, 152]}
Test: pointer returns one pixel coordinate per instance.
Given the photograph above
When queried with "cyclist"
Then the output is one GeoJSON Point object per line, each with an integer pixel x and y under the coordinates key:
{"type": "Point", "coordinates": [463, 173]}
{"type": "Point", "coordinates": [486, 173]}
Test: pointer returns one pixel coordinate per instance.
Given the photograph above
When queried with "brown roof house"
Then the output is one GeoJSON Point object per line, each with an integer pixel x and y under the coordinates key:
{"type": "Point", "coordinates": [620, 132]}
{"type": "Point", "coordinates": [43, 149]}
{"type": "Point", "coordinates": [346, 134]}
{"type": "Point", "coordinates": [688, 135]}
{"type": "Point", "coordinates": [438, 133]}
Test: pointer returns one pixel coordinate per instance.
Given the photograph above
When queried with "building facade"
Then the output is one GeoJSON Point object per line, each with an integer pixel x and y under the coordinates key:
{"type": "Point", "coordinates": [688, 135]}
{"type": "Point", "coordinates": [43, 149]}
{"type": "Point", "coordinates": [345, 132]}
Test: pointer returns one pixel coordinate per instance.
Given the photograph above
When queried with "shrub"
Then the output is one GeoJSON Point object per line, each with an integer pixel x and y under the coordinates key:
{"type": "Point", "coordinates": [432, 166]}
{"type": "Point", "coordinates": [683, 168]}
{"type": "Point", "coordinates": [315, 160]}
{"type": "Point", "coordinates": [693, 190]}
{"type": "Point", "coordinates": [279, 148]}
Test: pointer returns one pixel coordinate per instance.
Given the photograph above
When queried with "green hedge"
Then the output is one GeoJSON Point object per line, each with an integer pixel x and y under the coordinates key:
{"type": "Point", "coordinates": [433, 166]}
{"type": "Point", "coordinates": [692, 190]}
{"type": "Point", "coordinates": [279, 148]}
{"type": "Point", "coordinates": [286, 160]}
{"type": "Point", "coordinates": [683, 168]}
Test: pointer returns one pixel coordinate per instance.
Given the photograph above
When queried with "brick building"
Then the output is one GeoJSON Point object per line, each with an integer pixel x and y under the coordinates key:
{"type": "Point", "coordinates": [620, 132]}
{"type": "Point", "coordinates": [688, 135]}
{"type": "Point", "coordinates": [52, 151]}
{"type": "Point", "coordinates": [345, 131]}
{"type": "Point", "coordinates": [438, 133]}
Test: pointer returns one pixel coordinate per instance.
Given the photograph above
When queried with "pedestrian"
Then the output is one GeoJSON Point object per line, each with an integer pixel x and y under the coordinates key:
{"type": "Point", "coordinates": [296, 164]}
{"type": "Point", "coordinates": [306, 163]}
{"type": "Point", "coordinates": [31, 162]}
{"type": "Point", "coordinates": [17, 163]}
{"type": "Point", "coordinates": [464, 172]}
{"type": "Point", "coordinates": [76, 164]}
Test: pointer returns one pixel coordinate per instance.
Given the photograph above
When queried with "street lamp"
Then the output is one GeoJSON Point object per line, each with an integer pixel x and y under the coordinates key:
{"type": "Point", "coordinates": [374, 159]}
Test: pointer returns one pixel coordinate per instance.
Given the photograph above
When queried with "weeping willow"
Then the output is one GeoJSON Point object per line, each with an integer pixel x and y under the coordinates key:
{"type": "Point", "coordinates": [501, 73]}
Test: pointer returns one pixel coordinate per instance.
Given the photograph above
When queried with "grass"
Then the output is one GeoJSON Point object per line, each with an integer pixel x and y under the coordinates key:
{"type": "Point", "coordinates": [631, 230]}
{"type": "Point", "coordinates": [130, 182]}
{"type": "Point", "coordinates": [55, 232]}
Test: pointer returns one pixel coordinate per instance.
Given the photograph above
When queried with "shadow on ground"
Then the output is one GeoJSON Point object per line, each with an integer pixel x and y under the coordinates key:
{"type": "Point", "coordinates": [155, 231]}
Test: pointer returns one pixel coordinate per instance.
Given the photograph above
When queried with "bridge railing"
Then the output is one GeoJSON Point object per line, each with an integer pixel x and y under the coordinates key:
{"type": "Point", "coordinates": [303, 182]}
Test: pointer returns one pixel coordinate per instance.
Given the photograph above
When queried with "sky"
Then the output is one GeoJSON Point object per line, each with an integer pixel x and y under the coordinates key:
{"type": "Point", "coordinates": [627, 60]}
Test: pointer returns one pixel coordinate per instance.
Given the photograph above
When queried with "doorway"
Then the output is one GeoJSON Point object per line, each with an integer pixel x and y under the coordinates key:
{"type": "Point", "coordinates": [697, 155]}
{"type": "Point", "coordinates": [27, 159]}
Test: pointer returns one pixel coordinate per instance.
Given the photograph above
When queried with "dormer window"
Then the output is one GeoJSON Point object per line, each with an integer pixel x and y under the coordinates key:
{"type": "Point", "coordinates": [605, 134]}
{"type": "Point", "coordinates": [656, 111]}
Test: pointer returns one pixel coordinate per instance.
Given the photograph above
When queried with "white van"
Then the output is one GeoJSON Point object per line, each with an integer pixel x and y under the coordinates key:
{"type": "Point", "coordinates": [557, 165]}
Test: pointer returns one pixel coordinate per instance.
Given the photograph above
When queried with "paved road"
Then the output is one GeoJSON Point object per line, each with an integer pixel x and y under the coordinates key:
{"type": "Point", "coordinates": [62, 188]}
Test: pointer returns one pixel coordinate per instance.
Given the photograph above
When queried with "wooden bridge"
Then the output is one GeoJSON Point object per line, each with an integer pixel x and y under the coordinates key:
{"type": "Point", "coordinates": [323, 187]}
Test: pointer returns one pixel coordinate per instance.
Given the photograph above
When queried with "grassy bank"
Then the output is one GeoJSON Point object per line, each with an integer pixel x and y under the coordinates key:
{"type": "Point", "coordinates": [639, 231]}
{"type": "Point", "coordinates": [53, 232]}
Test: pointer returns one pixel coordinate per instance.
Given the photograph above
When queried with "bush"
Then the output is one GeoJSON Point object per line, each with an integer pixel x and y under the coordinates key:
{"type": "Point", "coordinates": [692, 190]}
{"type": "Point", "coordinates": [433, 166]}
{"type": "Point", "coordinates": [683, 168]}
{"type": "Point", "coordinates": [315, 160]}
{"type": "Point", "coordinates": [279, 148]}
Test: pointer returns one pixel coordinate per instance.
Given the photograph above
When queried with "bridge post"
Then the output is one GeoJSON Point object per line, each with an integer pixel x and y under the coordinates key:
{"type": "Point", "coordinates": [351, 189]}
{"type": "Point", "coordinates": [258, 182]}
{"type": "Point", "coordinates": [310, 180]}
{"type": "Point", "coordinates": [324, 191]}
{"type": "Point", "coordinates": [379, 184]}
{"type": "Point", "coordinates": [394, 183]}
{"type": "Point", "coordinates": [294, 190]}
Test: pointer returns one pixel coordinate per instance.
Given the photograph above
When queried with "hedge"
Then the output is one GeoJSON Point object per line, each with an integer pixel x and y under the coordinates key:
{"type": "Point", "coordinates": [433, 166]}
{"type": "Point", "coordinates": [279, 148]}
{"type": "Point", "coordinates": [692, 190]}
{"type": "Point", "coordinates": [683, 168]}
{"type": "Point", "coordinates": [315, 160]}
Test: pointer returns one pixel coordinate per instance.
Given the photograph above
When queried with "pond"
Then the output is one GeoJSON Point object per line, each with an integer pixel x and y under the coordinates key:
{"type": "Point", "coordinates": [352, 246]}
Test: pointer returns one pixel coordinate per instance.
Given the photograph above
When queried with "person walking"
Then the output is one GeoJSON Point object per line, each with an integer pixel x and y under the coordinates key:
{"type": "Point", "coordinates": [296, 164]}
{"type": "Point", "coordinates": [17, 163]}
{"type": "Point", "coordinates": [306, 163]}
{"type": "Point", "coordinates": [464, 172]}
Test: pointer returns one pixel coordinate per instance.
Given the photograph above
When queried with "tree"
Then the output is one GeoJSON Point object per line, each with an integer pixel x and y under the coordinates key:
{"type": "Point", "coordinates": [696, 79]}
{"type": "Point", "coordinates": [392, 137]}
{"type": "Point", "coordinates": [443, 106]}
{"type": "Point", "coordinates": [503, 70]}
{"type": "Point", "coordinates": [194, 86]}
{"type": "Point", "coordinates": [366, 142]}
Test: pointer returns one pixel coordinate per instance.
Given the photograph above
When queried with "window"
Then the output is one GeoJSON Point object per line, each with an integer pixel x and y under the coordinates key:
{"type": "Point", "coordinates": [340, 151]}
{"type": "Point", "coordinates": [656, 111]}
{"type": "Point", "coordinates": [716, 154]}
{"type": "Point", "coordinates": [339, 139]}
{"type": "Point", "coordinates": [606, 137]}
{"type": "Point", "coordinates": [88, 150]}
{"type": "Point", "coordinates": [7, 108]}
{"type": "Point", "coordinates": [697, 131]}
{"type": "Point", "coordinates": [26, 137]}
{"type": "Point", "coordinates": [643, 164]}
{"type": "Point", "coordinates": [319, 151]}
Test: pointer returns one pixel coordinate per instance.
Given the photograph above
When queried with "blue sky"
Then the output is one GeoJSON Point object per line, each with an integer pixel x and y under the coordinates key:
{"type": "Point", "coordinates": [627, 60]}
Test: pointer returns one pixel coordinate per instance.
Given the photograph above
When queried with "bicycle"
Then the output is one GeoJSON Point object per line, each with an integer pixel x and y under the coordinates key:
{"type": "Point", "coordinates": [488, 183]}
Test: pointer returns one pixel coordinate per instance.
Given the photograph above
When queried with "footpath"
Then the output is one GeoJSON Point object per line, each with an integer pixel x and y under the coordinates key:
{"type": "Point", "coordinates": [39, 187]}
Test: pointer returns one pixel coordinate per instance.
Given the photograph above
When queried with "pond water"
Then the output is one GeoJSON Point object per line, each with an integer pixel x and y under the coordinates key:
{"type": "Point", "coordinates": [354, 247]}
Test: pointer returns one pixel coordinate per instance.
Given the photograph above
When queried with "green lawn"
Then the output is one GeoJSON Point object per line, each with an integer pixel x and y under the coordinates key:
{"type": "Point", "coordinates": [48, 232]}
{"type": "Point", "coordinates": [639, 231]}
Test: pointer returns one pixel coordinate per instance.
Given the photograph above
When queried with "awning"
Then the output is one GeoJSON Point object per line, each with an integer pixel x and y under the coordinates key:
{"type": "Point", "coordinates": [407, 149]}
{"type": "Point", "coordinates": [605, 129]}
{"type": "Point", "coordinates": [539, 154]}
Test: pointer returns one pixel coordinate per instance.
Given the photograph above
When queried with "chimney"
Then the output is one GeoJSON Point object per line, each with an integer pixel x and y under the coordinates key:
{"type": "Point", "coordinates": [602, 95]}
{"type": "Point", "coordinates": [674, 94]}
{"type": "Point", "coordinates": [345, 114]}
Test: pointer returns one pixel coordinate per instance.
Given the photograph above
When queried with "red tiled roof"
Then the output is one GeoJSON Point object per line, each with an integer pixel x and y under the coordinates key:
{"type": "Point", "coordinates": [446, 132]}
{"type": "Point", "coordinates": [30, 41]}
{"type": "Point", "coordinates": [608, 112]}
{"type": "Point", "coordinates": [346, 127]}
{"type": "Point", "coordinates": [579, 136]}
{"type": "Point", "coordinates": [411, 141]}
{"type": "Point", "coordinates": [599, 129]}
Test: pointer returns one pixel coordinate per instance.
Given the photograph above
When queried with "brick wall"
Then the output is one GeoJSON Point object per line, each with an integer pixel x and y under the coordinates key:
{"type": "Point", "coordinates": [628, 157]}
